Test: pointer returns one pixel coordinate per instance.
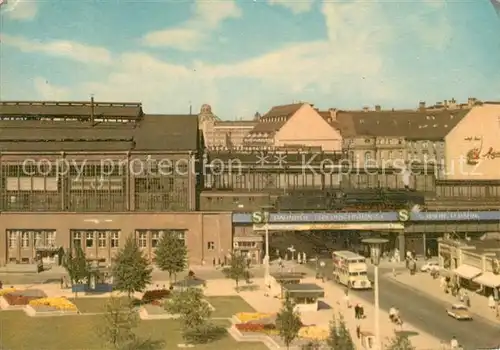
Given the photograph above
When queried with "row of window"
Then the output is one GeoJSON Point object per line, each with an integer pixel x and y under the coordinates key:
{"type": "Point", "coordinates": [92, 184]}
{"type": "Point", "coordinates": [53, 168]}
{"type": "Point", "coordinates": [86, 238]}
{"type": "Point", "coordinates": [27, 238]}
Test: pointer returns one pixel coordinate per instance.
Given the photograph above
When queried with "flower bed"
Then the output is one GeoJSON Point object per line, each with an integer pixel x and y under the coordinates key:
{"type": "Point", "coordinates": [313, 333]}
{"type": "Point", "coordinates": [268, 329]}
{"type": "Point", "coordinates": [155, 295]}
{"type": "Point", "coordinates": [245, 317]}
{"type": "Point", "coordinates": [60, 304]}
{"type": "Point", "coordinates": [6, 291]}
{"type": "Point", "coordinates": [17, 300]}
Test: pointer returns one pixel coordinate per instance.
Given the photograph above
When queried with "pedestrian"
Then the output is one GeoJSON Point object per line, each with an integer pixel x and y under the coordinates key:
{"type": "Point", "coordinates": [358, 331]}
{"type": "Point", "coordinates": [454, 343]}
{"type": "Point", "coordinates": [356, 311]}
{"type": "Point", "coordinates": [361, 312]}
{"type": "Point", "coordinates": [214, 262]}
{"type": "Point", "coordinates": [347, 300]}
{"type": "Point", "coordinates": [1, 284]}
{"type": "Point", "coordinates": [491, 302]}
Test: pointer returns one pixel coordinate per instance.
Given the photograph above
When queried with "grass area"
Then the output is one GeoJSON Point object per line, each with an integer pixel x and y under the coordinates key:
{"type": "Point", "coordinates": [20, 332]}
{"type": "Point", "coordinates": [227, 306]}
{"type": "Point", "coordinates": [90, 305]}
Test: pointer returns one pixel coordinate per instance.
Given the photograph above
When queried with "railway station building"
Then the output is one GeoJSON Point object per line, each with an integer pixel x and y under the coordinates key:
{"type": "Point", "coordinates": [91, 174]}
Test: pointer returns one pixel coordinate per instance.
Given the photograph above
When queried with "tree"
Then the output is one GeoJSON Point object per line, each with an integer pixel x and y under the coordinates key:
{"type": "Point", "coordinates": [194, 314]}
{"type": "Point", "coordinates": [288, 322]}
{"type": "Point", "coordinates": [77, 266]}
{"type": "Point", "coordinates": [131, 270]}
{"type": "Point", "coordinates": [171, 255]}
{"type": "Point", "coordinates": [400, 342]}
{"type": "Point", "coordinates": [119, 321]}
{"type": "Point", "coordinates": [237, 269]}
{"type": "Point", "coordinates": [117, 329]}
{"type": "Point", "coordinates": [339, 337]}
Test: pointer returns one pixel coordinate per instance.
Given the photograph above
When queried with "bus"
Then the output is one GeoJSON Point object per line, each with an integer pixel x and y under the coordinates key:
{"type": "Point", "coordinates": [350, 269]}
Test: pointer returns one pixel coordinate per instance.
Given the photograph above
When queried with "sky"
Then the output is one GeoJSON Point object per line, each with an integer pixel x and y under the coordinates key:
{"type": "Point", "coordinates": [244, 56]}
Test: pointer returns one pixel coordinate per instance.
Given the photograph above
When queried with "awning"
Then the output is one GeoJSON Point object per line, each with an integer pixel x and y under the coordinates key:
{"type": "Point", "coordinates": [488, 279]}
{"type": "Point", "coordinates": [466, 271]}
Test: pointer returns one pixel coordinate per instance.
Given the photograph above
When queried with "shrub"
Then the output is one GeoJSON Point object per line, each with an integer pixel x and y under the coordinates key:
{"type": "Point", "coordinates": [204, 333]}
{"type": "Point", "coordinates": [154, 295]}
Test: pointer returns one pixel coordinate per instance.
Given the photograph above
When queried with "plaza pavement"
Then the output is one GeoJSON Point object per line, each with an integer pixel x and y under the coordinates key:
{"type": "Point", "coordinates": [334, 295]}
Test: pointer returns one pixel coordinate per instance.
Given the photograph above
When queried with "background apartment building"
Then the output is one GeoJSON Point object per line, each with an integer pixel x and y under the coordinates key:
{"type": "Point", "coordinates": [223, 134]}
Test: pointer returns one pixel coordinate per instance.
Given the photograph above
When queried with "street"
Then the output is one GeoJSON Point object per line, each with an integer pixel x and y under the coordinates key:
{"type": "Point", "coordinates": [429, 315]}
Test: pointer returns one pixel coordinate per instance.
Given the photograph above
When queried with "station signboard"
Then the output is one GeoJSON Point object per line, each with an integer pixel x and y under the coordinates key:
{"type": "Point", "coordinates": [359, 217]}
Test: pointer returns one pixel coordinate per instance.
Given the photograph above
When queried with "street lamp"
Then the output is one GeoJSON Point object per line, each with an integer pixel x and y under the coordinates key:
{"type": "Point", "coordinates": [375, 245]}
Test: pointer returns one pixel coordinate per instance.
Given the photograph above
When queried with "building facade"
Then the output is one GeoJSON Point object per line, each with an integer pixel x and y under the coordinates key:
{"type": "Point", "coordinates": [474, 263]}
{"type": "Point", "coordinates": [295, 126]}
{"type": "Point", "coordinates": [91, 174]}
{"type": "Point", "coordinates": [223, 134]}
{"type": "Point", "coordinates": [393, 139]}
{"type": "Point", "coordinates": [473, 146]}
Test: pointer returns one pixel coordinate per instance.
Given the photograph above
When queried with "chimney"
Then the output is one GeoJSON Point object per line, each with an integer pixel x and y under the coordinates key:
{"type": "Point", "coordinates": [92, 112]}
{"type": "Point", "coordinates": [378, 108]}
{"type": "Point", "coordinates": [366, 109]}
{"type": "Point", "coordinates": [333, 113]}
{"type": "Point", "coordinates": [421, 105]}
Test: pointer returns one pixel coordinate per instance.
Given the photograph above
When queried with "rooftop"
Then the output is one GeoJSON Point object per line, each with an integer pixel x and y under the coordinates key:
{"type": "Point", "coordinates": [92, 126]}
{"type": "Point", "coordinates": [425, 125]}
{"type": "Point", "coordinates": [267, 123]}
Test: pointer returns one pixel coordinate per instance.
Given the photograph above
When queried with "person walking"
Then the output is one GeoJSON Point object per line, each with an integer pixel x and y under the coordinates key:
{"type": "Point", "coordinates": [491, 302]}
{"type": "Point", "coordinates": [454, 343]}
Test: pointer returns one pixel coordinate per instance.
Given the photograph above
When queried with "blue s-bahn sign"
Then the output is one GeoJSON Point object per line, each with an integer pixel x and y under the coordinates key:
{"type": "Point", "coordinates": [399, 216]}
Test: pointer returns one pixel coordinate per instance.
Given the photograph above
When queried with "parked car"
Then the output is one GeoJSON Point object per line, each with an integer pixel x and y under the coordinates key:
{"type": "Point", "coordinates": [430, 266]}
{"type": "Point", "coordinates": [459, 312]}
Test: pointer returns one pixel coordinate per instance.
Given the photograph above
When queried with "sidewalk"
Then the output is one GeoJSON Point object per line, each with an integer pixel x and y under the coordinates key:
{"type": "Point", "coordinates": [424, 283]}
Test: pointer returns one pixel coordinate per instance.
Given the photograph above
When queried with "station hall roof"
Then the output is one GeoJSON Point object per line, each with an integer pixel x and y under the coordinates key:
{"type": "Point", "coordinates": [78, 126]}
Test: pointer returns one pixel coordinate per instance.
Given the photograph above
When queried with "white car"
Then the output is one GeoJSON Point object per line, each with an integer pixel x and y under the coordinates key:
{"type": "Point", "coordinates": [430, 266]}
{"type": "Point", "coordinates": [459, 312]}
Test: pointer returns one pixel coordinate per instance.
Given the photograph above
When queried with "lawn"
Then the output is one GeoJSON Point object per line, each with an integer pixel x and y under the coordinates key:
{"type": "Point", "coordinates": [20, 332]}
{"type": "Point", "coordinates": [228, 306]}
{"type": "Point", "coordinates": [225, 306]}
{"type": "Point", "coordinates": [91, 305]}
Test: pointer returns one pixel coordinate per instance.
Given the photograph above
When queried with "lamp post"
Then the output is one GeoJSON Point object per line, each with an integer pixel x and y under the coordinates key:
{"type": "Point", "coordinates": [262, 218]}
{"type": "Point", "coordinates": [267, 257]}
{"type": "Point", "coordinates": [375, 245]}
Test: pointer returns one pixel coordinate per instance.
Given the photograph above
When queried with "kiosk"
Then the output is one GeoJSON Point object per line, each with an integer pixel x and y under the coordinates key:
{"type": "Point", "coordinates": [305, 296]}
{"type": "Point", "coordinates": [280, 279]}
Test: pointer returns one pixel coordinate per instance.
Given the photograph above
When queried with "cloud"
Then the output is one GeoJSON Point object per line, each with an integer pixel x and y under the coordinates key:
{"type": "Point", "coordinates": [184, 39]}
{"type": "Point", "coordinates": [48, 91]}
{"type": "Point", "coordinates": [60, 48]}
{"type": "Point", "coordinates": [356, 55]}
{"type": "Point", "coordinates": [295, 6]}
{"type": "Point", "coordinates": [189, 36]}
{"type": "Point", "coordinates": [20, 10]}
